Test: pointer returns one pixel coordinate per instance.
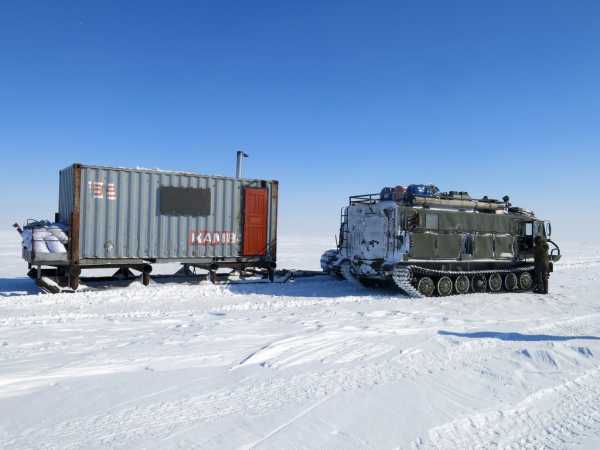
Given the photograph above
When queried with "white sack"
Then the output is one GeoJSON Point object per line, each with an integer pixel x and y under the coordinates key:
{"type": "Point", "coordinates": [59, 233]}
{"type": "Point", "coordinates": [40, 247]}
{"type": "Point", "coordinates": [54, 245]}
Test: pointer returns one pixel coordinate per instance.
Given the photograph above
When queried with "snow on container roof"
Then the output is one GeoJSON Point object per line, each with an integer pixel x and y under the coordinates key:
{"type": "Point", "coordinates": [158, 170]}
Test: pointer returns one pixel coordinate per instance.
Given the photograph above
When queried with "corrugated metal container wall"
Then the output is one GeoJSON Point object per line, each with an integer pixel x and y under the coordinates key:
{"type": "Point", "coordinates": [65, 194]}
{"type": "Point", "coordinates": [121, 218]}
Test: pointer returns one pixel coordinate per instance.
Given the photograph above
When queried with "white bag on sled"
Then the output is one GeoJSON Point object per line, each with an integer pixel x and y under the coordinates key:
{"type": "Point", "coordinates": [54, 245]}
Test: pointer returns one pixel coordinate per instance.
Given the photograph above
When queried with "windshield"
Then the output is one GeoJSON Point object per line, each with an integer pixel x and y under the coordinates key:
{"type": "Point", "coordinates": [532, 229]}
{"type": "Point", "coordinates": [538, 229]}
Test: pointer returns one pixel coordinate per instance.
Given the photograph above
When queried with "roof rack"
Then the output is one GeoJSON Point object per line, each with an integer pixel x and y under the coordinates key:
{"type": "Point", "coordinates": [365, 199]}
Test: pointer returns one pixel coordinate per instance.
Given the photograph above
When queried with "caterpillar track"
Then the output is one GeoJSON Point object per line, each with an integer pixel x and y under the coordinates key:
{"type": "Point", "coordinates": [418, 281]}
{"type": "Point", "coordinates": [403, 280]}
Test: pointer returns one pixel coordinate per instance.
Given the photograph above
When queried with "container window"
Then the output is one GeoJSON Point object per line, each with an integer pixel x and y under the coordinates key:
{"type": "Point", "coordinates": [177, 201]}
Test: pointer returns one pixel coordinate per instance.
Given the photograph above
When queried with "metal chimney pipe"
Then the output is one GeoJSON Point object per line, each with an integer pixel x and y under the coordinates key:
{"type": "Point", "coordinates": [238, 167]}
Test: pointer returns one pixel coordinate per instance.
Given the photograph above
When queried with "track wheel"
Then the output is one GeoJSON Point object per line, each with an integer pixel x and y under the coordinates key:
{"type": "Point", "coordinates": [510, 281]}
{"type": "Point", "coordinates": [444, 286]}
{"type": "Point", "coordinates": [426, 286]}
{"type": "Point", "coordinates": [525, 281]}
{"type": "Point", "coordinates": [479, 283]}
{"type": "Point", "coordinates": [462, 284]}
{"type": "Point", "coordinates": [495, 282]}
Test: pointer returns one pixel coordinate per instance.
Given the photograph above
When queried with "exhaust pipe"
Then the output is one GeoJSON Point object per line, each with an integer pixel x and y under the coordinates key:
{"type": "Point", "coordinates": [238, 167]}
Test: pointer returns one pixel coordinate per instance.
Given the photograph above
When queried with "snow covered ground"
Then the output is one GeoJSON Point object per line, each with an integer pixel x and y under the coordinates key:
{"type": "Point", "coordinates": [316, 363]}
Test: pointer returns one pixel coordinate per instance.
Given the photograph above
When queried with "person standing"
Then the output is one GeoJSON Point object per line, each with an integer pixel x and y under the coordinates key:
{"type": "Point", "coordinates": [542, 265]}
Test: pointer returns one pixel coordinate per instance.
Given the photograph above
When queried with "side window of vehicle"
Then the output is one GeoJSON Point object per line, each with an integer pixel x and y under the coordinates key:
{"type": "Point", "coordinates": [527, 229]}
{"type": "Point", "coordinates": [468, 244]}
{"type": "Point", "coordinates": [412, 220]}
{"type": "Point", "coordinates": [431, 221]}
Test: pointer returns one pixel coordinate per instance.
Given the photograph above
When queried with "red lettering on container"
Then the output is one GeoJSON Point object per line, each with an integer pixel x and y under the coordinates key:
{"type": "Point", "coordinates": [212, 238]}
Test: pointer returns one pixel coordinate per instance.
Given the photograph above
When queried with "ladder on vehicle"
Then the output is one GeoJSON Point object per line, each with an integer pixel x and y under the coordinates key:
{"type": "Point", "coordinates": [344, 231]}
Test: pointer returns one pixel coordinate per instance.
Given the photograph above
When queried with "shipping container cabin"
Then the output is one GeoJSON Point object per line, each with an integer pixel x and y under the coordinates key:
{"type": "Point", "coordinates": [133, 218]}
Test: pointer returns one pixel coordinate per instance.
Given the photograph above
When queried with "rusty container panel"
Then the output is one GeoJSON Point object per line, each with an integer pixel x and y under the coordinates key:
{"type": "Point", "coordinates": [138, 214]}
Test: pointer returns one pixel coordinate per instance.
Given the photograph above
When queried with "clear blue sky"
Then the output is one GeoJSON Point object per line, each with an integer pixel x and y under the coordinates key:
{"type": "Point", "coordinates": [330, 98]}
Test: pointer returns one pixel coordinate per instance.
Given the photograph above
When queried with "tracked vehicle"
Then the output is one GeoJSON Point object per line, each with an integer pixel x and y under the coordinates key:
{"type": "Point", "coordinates": [426, 242]}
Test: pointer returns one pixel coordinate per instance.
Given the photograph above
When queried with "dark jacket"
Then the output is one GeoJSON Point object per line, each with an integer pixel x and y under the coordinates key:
{"type": "Point", "coordinates": [542, 260]}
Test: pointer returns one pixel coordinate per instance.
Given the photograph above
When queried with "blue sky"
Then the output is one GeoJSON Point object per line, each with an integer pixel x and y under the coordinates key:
{"type": "Point", "coordinates": [330, 98]}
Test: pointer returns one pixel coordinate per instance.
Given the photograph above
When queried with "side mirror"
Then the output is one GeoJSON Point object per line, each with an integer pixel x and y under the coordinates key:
{"type": "Point", "coordinates": [548, 229]}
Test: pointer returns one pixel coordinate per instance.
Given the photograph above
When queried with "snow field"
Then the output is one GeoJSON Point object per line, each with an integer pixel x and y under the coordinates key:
{"type": "Point", "coordinates": [316, 363]}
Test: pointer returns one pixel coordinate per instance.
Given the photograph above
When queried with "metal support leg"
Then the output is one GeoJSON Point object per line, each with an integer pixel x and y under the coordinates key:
{"type": "Point", "coordinates": [74, 274]}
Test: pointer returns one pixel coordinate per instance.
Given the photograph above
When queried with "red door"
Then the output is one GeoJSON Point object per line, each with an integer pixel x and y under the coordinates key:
{"type": "Point", "coordinates": [255, 221]}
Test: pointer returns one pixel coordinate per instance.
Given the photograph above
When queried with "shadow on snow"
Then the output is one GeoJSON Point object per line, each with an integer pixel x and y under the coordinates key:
{"type": "Point", "coordinates": [514, 336]}
{"type": "Point", "coordinates": [10, 287]}
{"type": "Point", "coordinates": [320, 286]}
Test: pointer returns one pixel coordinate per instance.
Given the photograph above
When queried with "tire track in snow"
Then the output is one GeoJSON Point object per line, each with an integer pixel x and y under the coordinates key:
{"type": "Point", "coordinates": [285, 424]}
{"type": "Point", "coordinates": [547, 418]}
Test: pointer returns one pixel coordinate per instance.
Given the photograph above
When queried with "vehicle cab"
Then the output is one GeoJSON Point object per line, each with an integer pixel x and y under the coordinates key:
{"type": "Point", "coordinates": [529, 230]}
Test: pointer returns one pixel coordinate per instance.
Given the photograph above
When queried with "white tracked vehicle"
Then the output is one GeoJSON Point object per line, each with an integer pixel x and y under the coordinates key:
{"type": "Point", "coordinates": [427, 243]}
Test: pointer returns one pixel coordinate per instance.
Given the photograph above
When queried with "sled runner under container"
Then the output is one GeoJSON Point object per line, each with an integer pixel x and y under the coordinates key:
{"type": "Point", "coordinates": [133, 218]}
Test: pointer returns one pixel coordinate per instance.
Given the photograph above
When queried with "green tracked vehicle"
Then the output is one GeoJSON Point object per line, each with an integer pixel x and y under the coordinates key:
{"type": "Point", "coordinates": [427, 243]}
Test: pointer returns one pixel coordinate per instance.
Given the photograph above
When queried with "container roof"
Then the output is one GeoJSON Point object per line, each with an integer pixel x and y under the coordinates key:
{"type": "Point", "coordinates": [162, 171]}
